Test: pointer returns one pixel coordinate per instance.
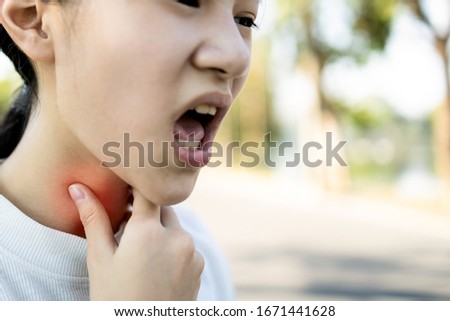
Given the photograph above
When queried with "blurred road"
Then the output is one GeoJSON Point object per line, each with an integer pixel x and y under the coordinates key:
{"type": "Point", "coordinates": [287, 242]}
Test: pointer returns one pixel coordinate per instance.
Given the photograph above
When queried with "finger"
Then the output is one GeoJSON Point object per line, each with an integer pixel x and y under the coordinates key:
{"type": "Point", "coordinates": [169, 218]}
{"type": "Point", "coordinates": [96, 223]}
{"type": "Point", "coordinates": [199, 262]}
{"type": "Point", "coordinates": [141, 206]}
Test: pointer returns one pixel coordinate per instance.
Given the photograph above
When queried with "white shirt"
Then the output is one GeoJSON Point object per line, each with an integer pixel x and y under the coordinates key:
{"type": "Point", "coordinates": [40, 263]}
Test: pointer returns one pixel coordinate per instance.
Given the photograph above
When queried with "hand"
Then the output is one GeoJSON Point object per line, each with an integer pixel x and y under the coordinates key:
{"type": "Point", "coordinates": [156, 259]}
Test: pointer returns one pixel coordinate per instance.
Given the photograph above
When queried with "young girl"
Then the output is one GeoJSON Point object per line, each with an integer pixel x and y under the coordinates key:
{"type": "Point", "coordinates": [96, 71]}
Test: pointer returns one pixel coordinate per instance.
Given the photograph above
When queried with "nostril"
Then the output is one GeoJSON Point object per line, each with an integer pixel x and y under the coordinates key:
{"type": "Point", "coordinates": [220, 70]}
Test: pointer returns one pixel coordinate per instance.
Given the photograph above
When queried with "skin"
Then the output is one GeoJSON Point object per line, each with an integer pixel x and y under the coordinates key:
{"type": "Point", "coordinates": [104, 69]}
{"type": "Point", "coordinates": [91, 93]}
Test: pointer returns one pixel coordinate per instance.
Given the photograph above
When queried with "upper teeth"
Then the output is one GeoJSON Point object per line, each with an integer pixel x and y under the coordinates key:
{"type": "Point", "coordinates": [206, 110]}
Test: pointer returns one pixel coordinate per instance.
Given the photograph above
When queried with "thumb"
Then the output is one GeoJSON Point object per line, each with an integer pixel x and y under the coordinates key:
{"type": "Point", "coordinates": [97, 225]}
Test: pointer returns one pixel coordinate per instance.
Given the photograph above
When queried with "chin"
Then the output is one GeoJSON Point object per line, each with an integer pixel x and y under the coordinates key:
{"type": "Point", "coordinates": [173, 196]}
{"type": "Point", "coordinates": [171, 191]}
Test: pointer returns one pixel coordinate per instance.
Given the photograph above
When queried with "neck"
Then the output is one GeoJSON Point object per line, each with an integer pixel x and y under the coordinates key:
{"type": "Point", "coordinates": [46, 162]}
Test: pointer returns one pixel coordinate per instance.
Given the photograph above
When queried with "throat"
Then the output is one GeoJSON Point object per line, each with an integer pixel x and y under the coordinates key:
{"type": "Point", "coordinates": [37, 183]}
{"type": "Point", "coordinates": [45, 198]}
{"type": "Point", "coordinates": [109, 189]}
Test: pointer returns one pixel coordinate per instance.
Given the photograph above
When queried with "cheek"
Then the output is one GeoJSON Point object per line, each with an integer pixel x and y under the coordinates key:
{"type": "Point", "coordinates": [122, 86]}
{"type": "Point", "coordinates": [100, 107]}
{"type": "Point", "coordinates": [238, 84]}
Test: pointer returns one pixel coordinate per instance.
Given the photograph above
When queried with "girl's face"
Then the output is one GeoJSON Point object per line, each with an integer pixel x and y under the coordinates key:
{"type": "Point", "coordinates": [129, 72]}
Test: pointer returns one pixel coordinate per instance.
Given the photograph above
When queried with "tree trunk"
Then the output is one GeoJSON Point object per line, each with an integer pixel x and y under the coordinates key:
{"type": "Point", "coordinates": [442, 130]}
{"type": "Point", "coordinates": [322, 119]}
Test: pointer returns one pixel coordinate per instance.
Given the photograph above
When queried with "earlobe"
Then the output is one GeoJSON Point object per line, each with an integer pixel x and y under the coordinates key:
{"type": "Point", "coordinates": [22, 19]}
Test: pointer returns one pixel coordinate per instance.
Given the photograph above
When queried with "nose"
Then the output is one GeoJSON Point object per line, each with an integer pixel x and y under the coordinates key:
{"type": "Point", "coordinates": [224, 50]}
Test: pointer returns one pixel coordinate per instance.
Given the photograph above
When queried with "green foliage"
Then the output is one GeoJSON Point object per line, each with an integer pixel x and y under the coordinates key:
{"type": "Point", "coordinates": [8, 87]}
{"type": "Point", "coordinates": [374, 19]}
{"type": "Point", "coordinates": [371, 25]}
{"type": "Point", "coordinates": [5, 95]}
{"type": "Point", "coordinates": [366, 115]}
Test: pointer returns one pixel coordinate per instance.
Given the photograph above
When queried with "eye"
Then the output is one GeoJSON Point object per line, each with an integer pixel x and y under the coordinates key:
{"type": "Point", "coordinates": [246, 22]}
{"type": "Point", "coordinates": [190, 3]}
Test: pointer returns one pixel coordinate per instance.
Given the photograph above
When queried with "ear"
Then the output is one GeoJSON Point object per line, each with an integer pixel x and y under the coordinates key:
{"type": "Point", "coordinates": [22, 19]}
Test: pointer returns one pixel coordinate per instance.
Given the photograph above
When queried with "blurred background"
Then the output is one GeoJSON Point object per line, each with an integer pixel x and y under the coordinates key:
{"type": "Point", "coordinates": [375, 74]}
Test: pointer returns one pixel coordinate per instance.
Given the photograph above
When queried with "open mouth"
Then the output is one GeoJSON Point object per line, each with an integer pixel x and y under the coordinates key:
{"type": "Point", "coordinates": [193, 134]}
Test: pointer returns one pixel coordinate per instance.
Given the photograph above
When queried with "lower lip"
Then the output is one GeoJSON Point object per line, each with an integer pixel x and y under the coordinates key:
{"type": "Point", "coordinates": [192, 158]}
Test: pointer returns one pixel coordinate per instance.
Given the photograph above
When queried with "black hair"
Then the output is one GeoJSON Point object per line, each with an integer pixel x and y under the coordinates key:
{"type": "Point", "coordinates": [14, 122]}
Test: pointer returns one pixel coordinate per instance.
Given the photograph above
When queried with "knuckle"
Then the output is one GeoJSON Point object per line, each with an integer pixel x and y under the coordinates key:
{"type": "Point", "coordinates": [199, 263]}
{"type": "Point", "coordinates": [87, 214]}
{"type": "Point", "coordinates": [183, 245]}
{"type": "Point", "coordinates": [186, 243]}
{"type": "Point", "coordinates": [148, 227]}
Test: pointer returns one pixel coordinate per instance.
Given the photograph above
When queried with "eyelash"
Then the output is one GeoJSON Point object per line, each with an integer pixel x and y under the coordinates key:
{"type": "Point", "coordinates": [243, 21]}
{"type": "Point", "coordinates": [246, 22]}
{"type": "Point", "coordinates": [190, 3]}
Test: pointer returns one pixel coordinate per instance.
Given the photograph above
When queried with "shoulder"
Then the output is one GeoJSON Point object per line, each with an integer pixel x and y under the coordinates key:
{"type": "Point", "coordinates": [216, 279]}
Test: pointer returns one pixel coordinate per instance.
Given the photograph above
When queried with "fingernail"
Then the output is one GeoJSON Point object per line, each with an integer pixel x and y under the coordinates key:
{"type": "Point", "coordinates": [77, 194]}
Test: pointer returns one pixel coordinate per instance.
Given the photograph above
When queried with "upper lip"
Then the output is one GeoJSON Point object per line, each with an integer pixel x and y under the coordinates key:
{"type": "Point", "coordinates": [217, 99]}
